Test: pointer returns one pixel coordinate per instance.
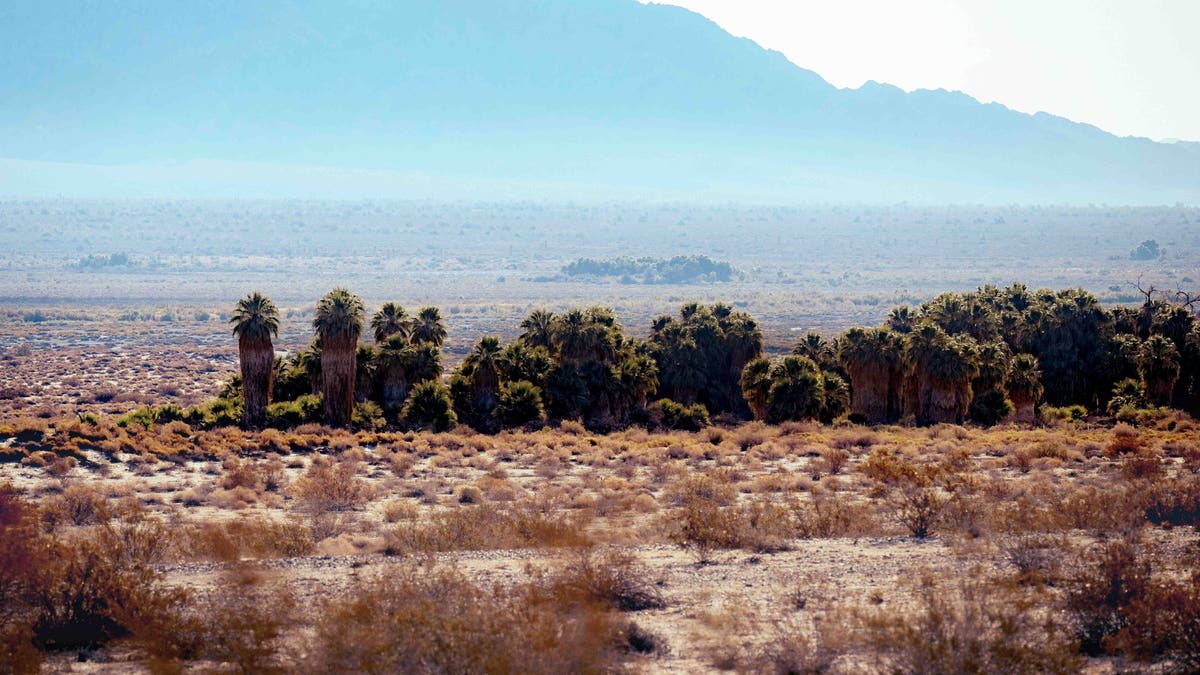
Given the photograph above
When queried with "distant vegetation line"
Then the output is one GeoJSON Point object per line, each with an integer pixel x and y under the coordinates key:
{"type": "Point", "coordinates": [991, 355]}
{"type": "Point", "coordinates": [677, 270]}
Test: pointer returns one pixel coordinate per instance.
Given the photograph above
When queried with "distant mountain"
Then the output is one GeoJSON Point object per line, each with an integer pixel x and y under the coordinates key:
{"type": "Point", "coordinates": [545, 99]}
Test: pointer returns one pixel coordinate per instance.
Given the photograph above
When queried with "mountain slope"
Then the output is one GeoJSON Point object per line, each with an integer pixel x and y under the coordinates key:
{"type": "Point", "coordinates": [528, 98]}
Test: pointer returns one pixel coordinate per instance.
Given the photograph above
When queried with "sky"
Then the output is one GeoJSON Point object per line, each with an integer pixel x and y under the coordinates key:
{"type": "Point", "coordinates": [1130, 67]}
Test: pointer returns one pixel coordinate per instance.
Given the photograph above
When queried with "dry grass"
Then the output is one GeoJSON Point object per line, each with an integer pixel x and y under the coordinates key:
{"type": "Point", "coordinates": [1022, 504]}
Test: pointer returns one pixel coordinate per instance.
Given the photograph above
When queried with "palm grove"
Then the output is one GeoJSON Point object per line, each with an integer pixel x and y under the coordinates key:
{"type": "Point", "coordinates": [986, 356]}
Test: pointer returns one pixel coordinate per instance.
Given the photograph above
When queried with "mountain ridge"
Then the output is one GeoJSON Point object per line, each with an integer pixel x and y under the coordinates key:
{"type": "Point", "coordinates": [605, 97]}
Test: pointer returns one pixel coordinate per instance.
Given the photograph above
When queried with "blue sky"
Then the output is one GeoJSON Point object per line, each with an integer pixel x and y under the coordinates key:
{"type": "Point", "coordinates": [1130, 67]}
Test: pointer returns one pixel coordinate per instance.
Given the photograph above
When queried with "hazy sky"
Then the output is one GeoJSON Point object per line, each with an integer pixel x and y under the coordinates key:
{"type": "Point", "coordinates": [1131, 67]}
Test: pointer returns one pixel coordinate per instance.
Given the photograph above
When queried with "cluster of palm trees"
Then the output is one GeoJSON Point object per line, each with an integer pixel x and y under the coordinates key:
{"type": "Point", "coordinates": [574, 365]}
{"type": "Point", "coordinates": [986, 355]}
{"type": "Point", "coordinates": [407, 351]}
{"type": "Point", "coordinates": [997, 352]}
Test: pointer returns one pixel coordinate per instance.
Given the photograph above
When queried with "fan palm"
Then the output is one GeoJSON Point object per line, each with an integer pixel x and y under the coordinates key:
{"type": "Point", "coordinates": [943, 369]}
{"type": "Point", "coordinates": [539, 329]}
{"type": "Point", "coordinates": [797, 391]}
{"type": "Point", "coordinates": [1024, 385]}
{"type": "Point", "coordinates": [872, 357]}
{"type": "Point", "coordinates": [255, 321]}
{"type": "Point", "coordinates": [1158, 364]}
{"type": "Point", "coordinates": [390, 320]}
{"type": "Point", "coordinates": [395, 354]}
{"type": "Point", "coordinates": [428, 327]}
{"type": "Point", "coordinates": [339, 325]}
{"type": "Point", "coordinates": [756, 385]}
{"type": "Point", "coordinates": [483, 363]}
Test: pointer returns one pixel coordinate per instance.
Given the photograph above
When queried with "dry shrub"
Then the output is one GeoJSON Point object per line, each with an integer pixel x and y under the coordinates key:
{"type": "Point", "coordinates": [242, 624]}
{"type": "Point", "coordinates": [487, 527]}
{"type": "Point", "coordinates": [714, 487]}
{"type": "Point", "coordinates": [436, 620]}
{"type": "Point", "coordinates": [614, 579]}
{"type": "Point", "coordinates": [241, 473]}
{"type": "Point", "coordinates": [327, 486]}
{"type": "Point", "coordinates": [702, 525]}
{"type": "Point", "coordinates": [854, 439]}
{"type": "Point", "coordinates": [62, 466]}
{"type": "Point", "coordinates": [239, 626]}
{"type": "Point", "coordinates": [750, 435]}
{"type": "Point", "coordinates": [77, 505]}
{"type": "Point", "coordinates": [1037, 558]}
{"type": "Point", "coordinates": [1173, 502]}
{"type": "Point", "coordinates": [829, 514]}
{"type": "Point", "coordinates": [1125, 600]}
{"type": "Point", "coordinates": [918, 507]}
{"type": "Point", "coordinates": [248, 537]}
{"type": "Point", "coordinates": [977, 625]}
{"type": "Point", "coordinates": [1142, 464]}
{"type": "Point", "coordinates": [886, 467]}
{"type": "Point", "coordinates": [396, 510]}
{"type": "Point", "coordinates": [793, 647]}
{"type": "Point", "coordinates": [1125, 439]}
{"type": "Point", "coordinates": [833, 460]}
{"type": "Point", "coordinates": [78, 594]}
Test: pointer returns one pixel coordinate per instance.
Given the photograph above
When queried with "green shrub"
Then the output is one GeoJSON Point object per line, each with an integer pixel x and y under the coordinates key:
{"type": "Point", "coordinates": [220, 412]}
{"type": "Point", "coordinates": [990, 407]}
{"type": "Point", "coordinates": [306, 409]}
{"type": "Point", "coordinates": [520, 405]}
{"type": "Point", "coordinates": [429, 407]}
{"type": "Point", "coordinates": [671, 415]}
{"type": "Point", "coordinates": [368, 415]}
{"type": "Point", "coordinates": [1070, 413]}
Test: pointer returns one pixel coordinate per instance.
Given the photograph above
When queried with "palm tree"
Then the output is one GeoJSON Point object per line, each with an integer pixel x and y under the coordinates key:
{"type": "Point", "coordinates": [522, 361]}
{"type": "Point", "coordinates": [483, 364]}
{"type": "Point", "coordinates": [638, 379]}
{"type": "Point", "coordinates": [872, 357]}
{"type": "Point", "coordinates": [255, 321]}
{"type": "Point", "coordinates": [901, 319]}
{"type": "Point", "coordinates": [943, 369]}
{"type": "Point", "coordinates": [390, 320]}
{"type": "Point", "coordinates": [395, 354]}
{"type": "Point", "coordinates": [539, 329]}
{"type": "Point", "coordinates": [1024, 385]}
{"type": "Point", "coordinates": [339, 324]}
{"type": "Point", "coordinates": [429, 407]}
{"type": "Point", "coordinates": [797, 390]}
{"type": "Point", "coordinates": [570, 334]}
{"type": "Point", "coordinates": [424, 363]}
{"type": "Point", "coordinates": [1158, 364]}
{"type": "Point", "coordinates": [428, 327]}
{"type": "Point", "coordinates": [756, 385]}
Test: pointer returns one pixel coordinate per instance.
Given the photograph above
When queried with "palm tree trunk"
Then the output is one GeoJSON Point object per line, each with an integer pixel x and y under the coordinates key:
{"type": "Point", "coordinates": [338, 375]}
{"type": "Point", "coordinates": [869, 389]}
{"type": "Point", "coordinates": [394, 388]}
{"type": "Point", "coordinates": [257, 357]}
{"type": "Point", "coordinates": [1023, 410]}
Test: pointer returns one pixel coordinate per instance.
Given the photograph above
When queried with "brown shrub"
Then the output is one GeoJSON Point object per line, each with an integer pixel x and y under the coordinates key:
{"type": "Point", "coordinates": [614, 579]}
{"type": "Point", "coordinates": [1142, 464]}
{"type": "Point", "coordinates": [77, 505]}
{"type": "Point", "coordinates": [245, 537]}
{"type": "Point", "coordinates": [1125, 439]}
{"type": "Point", "coordinates": [487, 527]}
{"type": "Point", "coordinates": [829, 514]}
{"type": "Point", "coordinates": [887, 468]}
{"type": "Point", "coordinates": [82, 593]}
{"type": "Point", "coordinates": [834, 460]}
{"type": "Point", "coordinates": [331, 487]}
{"type": "Point", "coordinates": [420, 620]}
{"type": "Point", "coordinates": [977, 625]}
{"type": "Point", "coordinates": [1173, 502]}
